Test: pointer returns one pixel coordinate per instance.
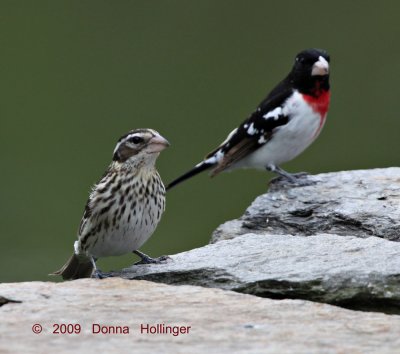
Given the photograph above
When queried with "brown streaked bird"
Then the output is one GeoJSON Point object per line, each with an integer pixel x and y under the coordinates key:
{"type": "Point", "coordinates": [124, 207]}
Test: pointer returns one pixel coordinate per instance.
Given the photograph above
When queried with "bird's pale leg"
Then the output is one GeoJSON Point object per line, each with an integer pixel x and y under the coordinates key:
{"type": "Point", "coordinates": [97, 273]}
{"type": "Point", "coordinates": [145, 259]}
{"type": "Point", "coordinates": [291, 177]}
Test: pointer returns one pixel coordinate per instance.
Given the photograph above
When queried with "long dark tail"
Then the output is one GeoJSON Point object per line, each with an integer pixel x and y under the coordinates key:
{"type": "Point", "coordinates": [193, 172]}
{"type": "Point", "coordinates": [78, 266]}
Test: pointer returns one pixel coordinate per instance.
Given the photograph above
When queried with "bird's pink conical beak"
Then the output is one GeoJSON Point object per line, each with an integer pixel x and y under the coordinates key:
{"type": "Point", "coordinates": [320, 67]}
{"type": "Point", "coordinates": [157, 144]}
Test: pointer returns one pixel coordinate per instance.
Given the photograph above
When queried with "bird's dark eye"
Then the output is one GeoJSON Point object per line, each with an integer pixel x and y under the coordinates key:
{"type": "Point", "coordinates": [136, 140]}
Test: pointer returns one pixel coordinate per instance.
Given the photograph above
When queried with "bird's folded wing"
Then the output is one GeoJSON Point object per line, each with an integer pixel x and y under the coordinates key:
{"type": "Point", "coordinates": [246, 140]}
{"type": "Point", "coordinates": [237, 152]}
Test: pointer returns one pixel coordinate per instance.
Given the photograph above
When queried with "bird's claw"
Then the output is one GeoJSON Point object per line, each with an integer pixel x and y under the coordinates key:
{"type": "Point", "coordinates": [149, 260]}
{"type": "Point", "coordinates": [299, 179]}
{"type": "Point", "coordinates": [298, 175]}
{"type": "Point", "coordinates": [98, 274]}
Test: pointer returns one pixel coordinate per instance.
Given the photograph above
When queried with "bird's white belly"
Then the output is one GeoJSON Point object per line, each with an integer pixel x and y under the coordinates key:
{"type": "Point", "coordinates": [289, 140]}
{"type": "Point", "coordinates": [129, 236]}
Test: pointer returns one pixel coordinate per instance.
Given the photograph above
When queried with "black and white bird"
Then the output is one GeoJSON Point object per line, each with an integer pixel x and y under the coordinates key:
{"type": "Point", "coordinates": [283, 125]}
{"type": "Point", "coordinates": [124, 207]}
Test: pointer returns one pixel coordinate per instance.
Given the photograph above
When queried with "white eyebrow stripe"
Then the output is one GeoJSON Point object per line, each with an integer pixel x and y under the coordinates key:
{"type": "Point", "coordinates": [125, 139]}
{"type": "Point", "coordinates": [117, 147]}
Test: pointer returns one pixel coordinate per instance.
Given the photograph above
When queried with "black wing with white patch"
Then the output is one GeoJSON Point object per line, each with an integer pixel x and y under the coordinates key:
{"type": "Point", "coordinates": [252, 133]}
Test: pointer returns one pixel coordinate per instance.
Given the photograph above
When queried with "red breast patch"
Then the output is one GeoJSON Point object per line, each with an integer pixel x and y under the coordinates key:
{"type": "Point", "coordinates": [320, 103]}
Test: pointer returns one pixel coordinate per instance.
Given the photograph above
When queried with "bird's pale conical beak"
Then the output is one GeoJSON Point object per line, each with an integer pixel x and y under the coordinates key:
{"type": "Point", "coordinates": [320, 67]}
{"type": "Point", "coordinates": [157, 143]}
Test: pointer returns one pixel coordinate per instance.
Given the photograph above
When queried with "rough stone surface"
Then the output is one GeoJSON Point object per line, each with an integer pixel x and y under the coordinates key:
{"type": "Point", "coordinates": [347, 271]}
{"type": "Point", "coordinates": [359, 203]}
{"type": "Point", "coordinates": [331, 241]}
{"type": "Point", "coordinates": [221, 321]}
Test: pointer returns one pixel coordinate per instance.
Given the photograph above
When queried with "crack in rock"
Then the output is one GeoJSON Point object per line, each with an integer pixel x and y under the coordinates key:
{"type": "Point", "coordinates": [359, 203]}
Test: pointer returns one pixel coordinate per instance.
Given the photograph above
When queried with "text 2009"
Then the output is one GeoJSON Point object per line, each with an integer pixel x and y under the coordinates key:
{"type": "Point", "coordinates": [66, 328]}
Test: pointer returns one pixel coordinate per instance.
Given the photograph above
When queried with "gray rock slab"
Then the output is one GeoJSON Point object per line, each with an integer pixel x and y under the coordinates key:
{"type": "Point", "coordinates": [347, 271]}
{"type": "Point", "coordinates": [221, 321]}
{"type": "Point", "coordinates": [359, 203]}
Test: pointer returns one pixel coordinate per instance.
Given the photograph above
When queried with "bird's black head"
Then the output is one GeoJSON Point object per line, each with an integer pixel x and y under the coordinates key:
{"type": "Point", "coordinates": [310, 73]}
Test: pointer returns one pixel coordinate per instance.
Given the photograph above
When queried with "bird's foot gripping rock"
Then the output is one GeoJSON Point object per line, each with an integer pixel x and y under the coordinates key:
{"type": "Point", "coordinates": [98, 274]}
{"type": "Point", "coordinates": [145, 259]}
{"type": "Point", "coordinates": [300, 179]}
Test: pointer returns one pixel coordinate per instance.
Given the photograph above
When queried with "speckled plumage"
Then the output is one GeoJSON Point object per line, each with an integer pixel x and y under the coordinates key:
{"type": "Point", "coordinates": [122, 212]}
{"type": "Point", "coordinates": [124, 207]}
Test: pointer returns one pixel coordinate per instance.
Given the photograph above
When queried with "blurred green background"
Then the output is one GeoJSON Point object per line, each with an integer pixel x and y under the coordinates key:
{"type": "Point", "coordinates": [75, 75]}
